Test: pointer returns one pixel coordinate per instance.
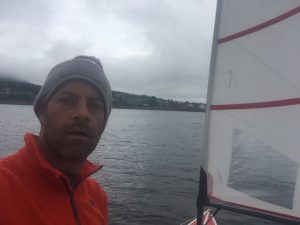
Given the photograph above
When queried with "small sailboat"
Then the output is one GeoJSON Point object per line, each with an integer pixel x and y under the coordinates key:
{"type": "Point", "coordinates": [251, 159]}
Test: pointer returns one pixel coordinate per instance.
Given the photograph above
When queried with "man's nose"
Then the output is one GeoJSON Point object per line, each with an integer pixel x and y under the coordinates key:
{"type": "Point", "coordinates": [82, 111]}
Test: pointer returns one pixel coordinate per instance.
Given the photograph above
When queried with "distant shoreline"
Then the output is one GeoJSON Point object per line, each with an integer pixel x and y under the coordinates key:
{"type": "Point", "coordinates": [15, 103]}
{"type": "Point", "coordinates": [114, 107]}
{"type": "Point", "coordinates": [23, 93]}
{"type": "Point", "coordinates": [158, 109]}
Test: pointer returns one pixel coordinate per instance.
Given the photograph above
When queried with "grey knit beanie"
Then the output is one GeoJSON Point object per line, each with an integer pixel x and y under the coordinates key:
{"type": "Point", "coordinates": [85, 68]}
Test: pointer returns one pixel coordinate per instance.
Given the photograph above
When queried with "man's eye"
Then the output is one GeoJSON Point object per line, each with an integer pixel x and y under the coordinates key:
{"type": "Point", "coordinates": [96, 105]}
{"type": "Point", "coordinates": [66, 100]}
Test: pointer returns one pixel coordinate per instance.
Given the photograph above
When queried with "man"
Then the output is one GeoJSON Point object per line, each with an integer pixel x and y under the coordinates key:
{"type": "Point", "coordinates": [46, 181]}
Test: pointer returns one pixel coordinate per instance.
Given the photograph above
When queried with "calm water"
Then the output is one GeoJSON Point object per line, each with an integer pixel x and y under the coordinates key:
{"type": "Point", "coordinates": [150, 158]}
{"type": "Point", "coordinates": [151, 162]}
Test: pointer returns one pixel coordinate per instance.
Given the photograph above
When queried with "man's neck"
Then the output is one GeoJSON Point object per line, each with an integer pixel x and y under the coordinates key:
{"type": "Point", "coordinates": [70, 168]}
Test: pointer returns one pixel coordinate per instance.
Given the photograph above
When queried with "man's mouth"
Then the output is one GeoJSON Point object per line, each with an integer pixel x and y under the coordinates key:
{"type": "Point", "coordinates": [79, 133]}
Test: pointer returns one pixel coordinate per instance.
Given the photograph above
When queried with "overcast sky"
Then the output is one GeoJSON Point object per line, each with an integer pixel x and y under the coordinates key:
{"type": "Point", "coordinates": [152, 47]}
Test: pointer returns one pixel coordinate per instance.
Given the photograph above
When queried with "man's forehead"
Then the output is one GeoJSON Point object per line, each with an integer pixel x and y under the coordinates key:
{"type": "Point", "coordinates": [78, 86]}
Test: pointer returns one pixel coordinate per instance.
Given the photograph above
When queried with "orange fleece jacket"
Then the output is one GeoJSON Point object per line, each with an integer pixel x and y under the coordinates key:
{"type": "Point", "coordinates": [32, 192]}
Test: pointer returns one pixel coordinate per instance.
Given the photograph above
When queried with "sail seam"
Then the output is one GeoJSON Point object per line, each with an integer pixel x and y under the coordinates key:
{"type": "Point", "coordinates": [260, 26]}
{"type": "Point", "coordinates": [256, 105]}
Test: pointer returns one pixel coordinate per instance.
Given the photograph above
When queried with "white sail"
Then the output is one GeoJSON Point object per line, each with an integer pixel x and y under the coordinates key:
{"type": "Point", "coordinates": [253, 145]}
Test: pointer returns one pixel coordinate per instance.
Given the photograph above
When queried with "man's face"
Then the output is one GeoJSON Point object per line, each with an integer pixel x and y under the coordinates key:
{"type": "Point", "coordinates": [72, 121]}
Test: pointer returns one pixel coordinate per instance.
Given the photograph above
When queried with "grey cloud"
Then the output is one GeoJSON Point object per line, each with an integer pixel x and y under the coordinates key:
{"type": "Point", "coordinates": [34, 12]}
{"type": "Point", "coordinates": [63, 50]}
{"type": "Point", "coordinates": [181, 44]}
{"type": "Point", "coordinates": [176, 37]}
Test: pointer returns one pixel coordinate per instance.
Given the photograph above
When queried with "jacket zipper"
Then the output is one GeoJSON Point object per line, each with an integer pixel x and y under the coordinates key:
{"type": "Point", "coordinates": [74, 208]}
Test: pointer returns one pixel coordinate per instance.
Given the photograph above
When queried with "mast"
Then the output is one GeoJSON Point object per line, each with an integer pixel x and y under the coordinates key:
{"type": "Point", "coordinates": [202, 199]}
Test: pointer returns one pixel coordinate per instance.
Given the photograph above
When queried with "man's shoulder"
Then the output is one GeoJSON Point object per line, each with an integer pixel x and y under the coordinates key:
{"type": "Point", "coordinates": [9, 165]}
{"type": "Point", "coordinates": [9, 178]}
{"type": "Point", "coordinates": [5, 169]}
{"type": "Point", "coordinates": [13, 161]}
{"type": "Point", "coordinates": [14, 169]}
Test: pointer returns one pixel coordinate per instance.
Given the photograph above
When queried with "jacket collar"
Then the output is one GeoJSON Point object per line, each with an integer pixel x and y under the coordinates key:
{"type": "Point", "coordinates": [34, 150]}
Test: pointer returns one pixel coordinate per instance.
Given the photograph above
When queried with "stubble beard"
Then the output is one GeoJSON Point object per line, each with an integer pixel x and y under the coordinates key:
{"type": "Point", "coordinates": [64, 149]}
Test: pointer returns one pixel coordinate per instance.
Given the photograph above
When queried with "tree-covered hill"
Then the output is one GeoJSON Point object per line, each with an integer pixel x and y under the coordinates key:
{"type": "Point", "coordinates": [17, 92]}
{"type": "Point", "coordinates": [125, 100]}
{"type": "Point", "coordinates": [13, 91]}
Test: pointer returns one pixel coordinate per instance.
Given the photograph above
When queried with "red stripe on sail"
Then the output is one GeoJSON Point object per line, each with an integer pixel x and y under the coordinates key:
{"type": "Point", "coordinates": [256, 105]}
{"type": "Point", "coordinates": [260, 26]}
{"type": "Point", "coordinates": [256, 209]}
